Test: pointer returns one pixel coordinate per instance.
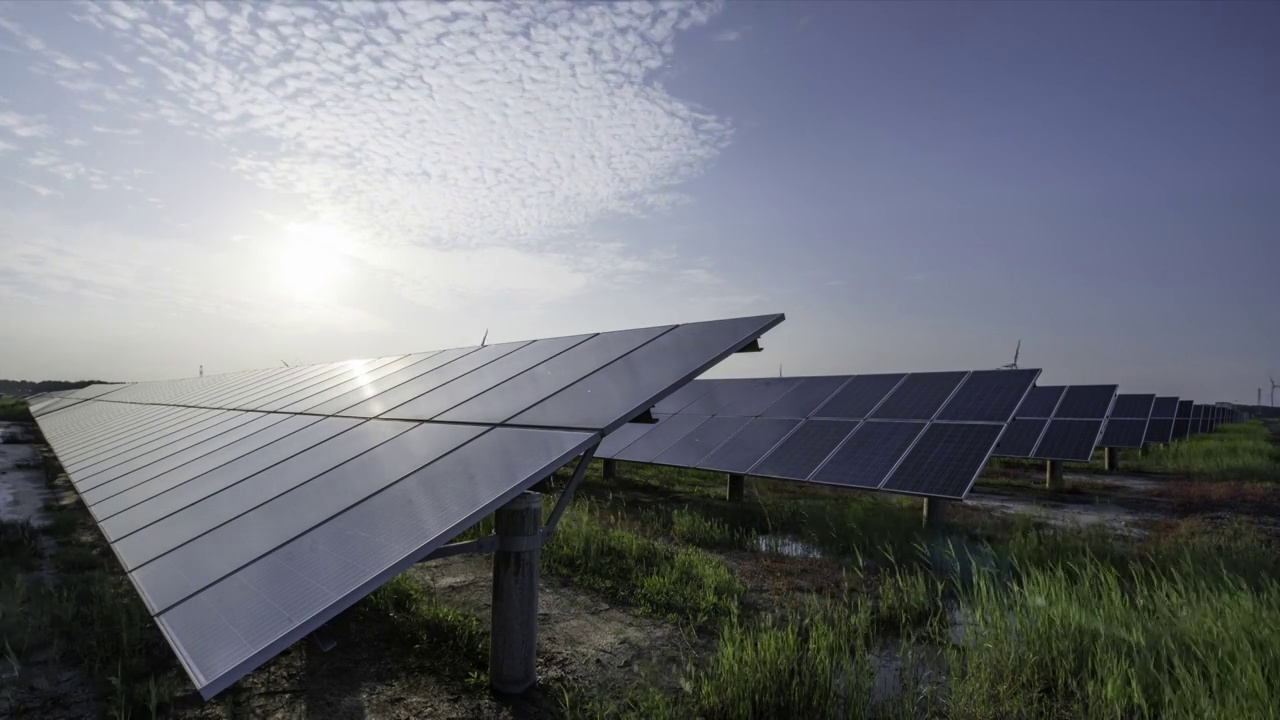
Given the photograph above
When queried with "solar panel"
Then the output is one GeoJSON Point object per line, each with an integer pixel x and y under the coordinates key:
{"type": "Point", "coordinates": [1185, 408]}
{"type": "Point", "coordinates": [869, 454]}
{"type": "Point", "coordinates": [1041, 401]}
{"type": "Point", "coordinates": [1164, 407]}
{"type": "Point", "coordinates": [1069, 440]}
{"type": "Point", "coordinates": [619, 439]}
{"type": "Point", "coordinates": [989, 395]}
{"type": "Point", "coordinates": [1021, 437]}
{"type": "Point", "coordinates": [1159, 430]}
{"type": "Point", "coordinates": [945, 461]}
{"type": "Point", "coordinates": [859, 396]}
{"type": "Point", "coordinates": [1134, 407]}
{"type": "Point", "coordinates": [244, 531]}
{"type": "Point", "coordinates": [678, 400]}
{"type": "Point", "coordinates": [649, 445]}
{"type": "Point", "coordinates": [796, 457]}
{"type": "Point", "coordinates": [1086, 402]}
{"type": "Point", "coordinates": [920, 396]}
{"type": "Point", "coordinates": [701, 441]}
{"type": "Point", "coordinates": [1181, 428]}
{"type": "Point", "coordinates": [744, 450]}
{"type": "Point", "coordinates": [1124, 433]}
{"type": "Point", "coordinates": [801, 401]}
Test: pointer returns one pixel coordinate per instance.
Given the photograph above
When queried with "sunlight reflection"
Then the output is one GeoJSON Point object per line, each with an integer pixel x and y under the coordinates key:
{"type": "Point", "coordinates": [311, 259]}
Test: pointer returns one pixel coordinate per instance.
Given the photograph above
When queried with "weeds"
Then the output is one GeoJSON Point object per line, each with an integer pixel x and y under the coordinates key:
{"type": "Point", "coordinates": [682, 584]}
{"type": "Point", "coordinates": [425, 624]}
{"type": "Point", "coordinates": [1245, 451]}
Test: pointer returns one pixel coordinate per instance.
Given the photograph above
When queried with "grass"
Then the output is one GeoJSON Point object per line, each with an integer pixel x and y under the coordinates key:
{"type": "Point", "coordinates": [452, 640]}
{"type": "Point", "coordinates": [12, 408]}
{"type": "Point", "coordinates": [1089, 639]}
{"type": "Point", "coordinates": [1243, 451]}
{"type": "Point", "coordinates": [682, 584]}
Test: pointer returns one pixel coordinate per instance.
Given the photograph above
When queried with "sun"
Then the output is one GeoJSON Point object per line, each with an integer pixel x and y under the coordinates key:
{"type": "Point", "coordinates": [311, 258]}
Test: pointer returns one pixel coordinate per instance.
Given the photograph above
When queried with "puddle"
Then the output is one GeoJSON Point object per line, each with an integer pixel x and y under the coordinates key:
{"type": "Point", "coordinates": [1103, 513]}
{"type": "Point", "coordinates": [787, 545]}
{"type": "Point", "coordinates": [22, 489]}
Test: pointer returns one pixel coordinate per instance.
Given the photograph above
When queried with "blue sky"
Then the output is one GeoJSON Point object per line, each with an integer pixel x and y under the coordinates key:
{"type": "Point", "coordinates": [916, 185]}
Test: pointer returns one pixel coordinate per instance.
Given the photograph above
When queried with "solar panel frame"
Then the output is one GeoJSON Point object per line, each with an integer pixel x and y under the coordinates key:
{"type": "Point", "coordinates": [869, 454]}
{"type": "Point", "coordinates": [1069, 439]}
{"type": "Point", "coordinates": [1159, 431]}
{"type": "Point", "coordinates": [804, 450]}
{"type": "Point", "coordinates": [859, 397]}
{"type": "Point", "coordinates": [1124, 433]}
{"type": "Point", "coordinates": [1021, 437]}
{"type": "Point", "coordinates": [949, 463]}
{"type": "Point", "coordinates": [747, 447]}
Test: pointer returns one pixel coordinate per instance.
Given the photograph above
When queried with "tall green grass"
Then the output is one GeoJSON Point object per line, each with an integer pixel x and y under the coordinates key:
{"type": "Point", "coordinates": [1090, 639]}
{"type": "Point", "coordinates": [1244, 451]}
{"type": "Point", "coordinates": [679, 583]}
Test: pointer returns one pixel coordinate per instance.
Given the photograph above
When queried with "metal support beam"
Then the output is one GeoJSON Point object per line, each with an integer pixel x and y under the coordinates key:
{"type": "Point", "coordinates": [513, 643]}
{"type": "Point", "coordinates": [1053, 475]}
{"type": "Point", "coordinates": [735, 488]}
{"type": "Point", "coordinates": [566, 495]}
{"type": "Point", "coordinates": [1110, 459]}
{"type": "Point", "coordinates": [935, 512]}
{"type": "Point", "coordinates": [610, 470]}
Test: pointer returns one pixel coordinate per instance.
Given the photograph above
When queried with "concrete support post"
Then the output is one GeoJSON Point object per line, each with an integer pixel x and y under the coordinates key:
{"type": "Point", "coordinates": [610, 470]}
{"type": "Point", "coordinates": [736, 488]}
{"type": "Point", "coordinates": [1110, 459]}
{"type": "Point", "coordinates": [935, 512]}
{"type": "Point", "coordinates": [513, 643]}
{"type": "Point", "coordinates": [1053, 475]}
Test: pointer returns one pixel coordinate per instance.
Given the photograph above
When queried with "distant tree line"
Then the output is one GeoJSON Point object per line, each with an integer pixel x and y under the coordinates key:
{"type": "Point", "coordinates": [23, 388]}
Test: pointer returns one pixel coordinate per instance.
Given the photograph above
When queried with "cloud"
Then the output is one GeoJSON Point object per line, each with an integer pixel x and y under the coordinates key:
{"type": "Point", "coordinates": [24, 126]}
{"type": "Point", "coordinates": [727, 36]}
{"type": "Point", "coordinates": [472, 147]}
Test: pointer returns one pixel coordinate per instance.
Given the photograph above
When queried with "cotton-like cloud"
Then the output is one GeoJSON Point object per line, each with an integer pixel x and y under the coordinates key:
{"type": "Point", "coordinates": [469, 147]}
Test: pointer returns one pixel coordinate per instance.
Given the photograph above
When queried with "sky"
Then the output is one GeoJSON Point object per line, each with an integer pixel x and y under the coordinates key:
{"type": "Point", "coordinates": [917, 186]}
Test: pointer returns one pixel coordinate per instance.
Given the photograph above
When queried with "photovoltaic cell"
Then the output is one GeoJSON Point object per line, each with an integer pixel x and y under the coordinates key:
{"type": "Point", "coordinates": [1040, 401]}
{"type": "Point", "coordinates": [859, 396]}
{"type": "Point", "coordinates": [647, 447]}
{"type": "Point", "coordinates": [743, 397]}
{"type": "Point", "coordinates": [1136, 407]}
{"type": "Point", "coordinates": [801, 401]}
{"type": "Point", "coordinates": [619, 439]}
{"type": "Point", "coordinates": [865, 459]}
{"type": "Point", "coordinates": [920, 396]}
{"type": "Point", "coordinates": [796, 457]}
{"type": "Point", "coordinates": [678, 400]}
{"type": "Point", "coordinates": [1020, 438]}
{"type": "Point", "coordinates": [395, 397]}
{"type": "Point", "coordinates": [1164, 407]}
{"type": "Point", "coordinates": [1159, 430]}
{"type": "Point", "coordinates": [1185, 408]}
{"type": "Point", "coordinates": [989, 395]}
{"type": "Point", "coordinates": [741, 452]}
{"type": "Point", "coordinates": [247, 617]}
{"type": "Point", "coordinates": [1069, 440]}
{"type": "Point", "coordinates": [945, 461]}
{"type": "Point", "coordinates": [594, 400]}
{"type": "Point", "coordinates": [550, 377]}
{"type": "Point", "coordinates": [1086, 402]}
{"type": "Point", "coordinates": [701, 441]}
{"type": "Point", "coordinates": [1181, 427]}
{"type": "Point", "coordinates": [1124, 433]}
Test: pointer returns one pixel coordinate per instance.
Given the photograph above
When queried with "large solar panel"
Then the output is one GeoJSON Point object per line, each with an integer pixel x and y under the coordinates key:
{"type": "Point", "coordinates": [245, 524]}
{"type": "Point", "coordinates": [1164, 408]}
{"type": "Point", "coordinates": [1127, 425]}
{"type": "Point", "coordinates": [1061, 438]}
{"type": "Point", "coordinates": [850, 431]}
{"type": "Point", "coordinates": [1159, 431]}
{"type": "Point", "coordinates": [1069, 440]}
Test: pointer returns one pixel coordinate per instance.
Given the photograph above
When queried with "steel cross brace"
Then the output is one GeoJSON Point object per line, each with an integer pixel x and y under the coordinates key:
{"type": "Point", "coordinates": [494, 543]}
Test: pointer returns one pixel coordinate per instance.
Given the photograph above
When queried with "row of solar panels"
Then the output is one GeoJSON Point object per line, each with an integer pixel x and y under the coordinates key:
{"type": "Point", "coordinates": [250, 508]}
{"type": "Point", "coordinates": [923, 433]}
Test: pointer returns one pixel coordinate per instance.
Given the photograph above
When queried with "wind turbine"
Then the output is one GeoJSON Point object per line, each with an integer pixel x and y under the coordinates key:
{"type": "Point", "coordinates": [284, 363]}
{"type": "Point", "coordinates": [1273, 390]}
{"type": "Point", "coordinates": [486, 337]}
{"type": "Point", "coordinates": [1016, 350]}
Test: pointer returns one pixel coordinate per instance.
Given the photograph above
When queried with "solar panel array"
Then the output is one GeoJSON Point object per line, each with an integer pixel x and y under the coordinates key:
{"type": "Point", "coordinates": [249, 508]}
{"type": "Point", "coordinates": [1127, 425]}
{"type": "Point", "coordinates": [924, 434]}
{"type": "Point", "coordinates": [1160, 429]}
{"type": "Point", "coordinates": [1058, 422]}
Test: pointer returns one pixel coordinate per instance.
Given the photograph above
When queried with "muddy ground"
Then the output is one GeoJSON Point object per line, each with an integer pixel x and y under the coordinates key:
{"type": "Point", "coordinates": [585, 642]}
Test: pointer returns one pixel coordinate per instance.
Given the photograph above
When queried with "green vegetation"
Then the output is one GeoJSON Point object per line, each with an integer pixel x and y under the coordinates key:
{"type": "Point", "coordinates": [1244, 451]}
{"type": "Point", "coordinates": [426, 626]}
{"type": "Point", "coordinates": [682, 584]}
{"type": "Point", "coordinates": [12, 408]}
